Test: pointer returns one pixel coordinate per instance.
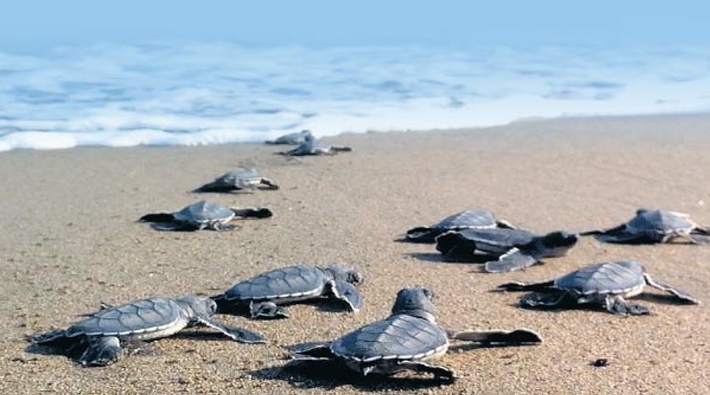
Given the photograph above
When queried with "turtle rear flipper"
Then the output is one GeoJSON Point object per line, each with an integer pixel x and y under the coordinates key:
{"type": "Point", "coordinates": [267, 309]}
{"type": "Point", "coordinates": [348, 293]}
{"type": "Point", "coordinates": [102, 351]}
{"type": "Point", "coordinates": [517, 286]}
{"type": "Point", "coordinates": [419, 234]}
{"type": "Point", "coordinates": [616, 304]}
{"type": "Point", "coordinates": [512, 260]}
{"type": "Point", "coordinates": [439, 372]}
{"type": "Point", "coordinates": [517, 336]}
{"type": "Point", "coordinates": [253, 212]}
{"type": "Point", "coordinates": [158, 218]}
{"type": "Point", "coordinates": [669, 288]}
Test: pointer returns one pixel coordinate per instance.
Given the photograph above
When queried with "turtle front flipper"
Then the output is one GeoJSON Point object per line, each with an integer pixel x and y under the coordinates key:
{"type": "Point", "coordinates": [253, 212]}
{"type": "Point", "coordinates": [517, 336]}
{"type": "Point", "coordinates": [216, 187]}
{"type": "Point", "coordinates": [512, 260]}
{"type": "Point", "coordinates": [346, 292]}
{"type": "Point", "coordinates": [517, 286]}
{"type": "Point", "coordinates": [174, 226]}
{"type": "Point", "coordinates": [616, 304]}
{"type": "Point", "coordinates": [237, 334]}
{"type": "Point", "coordinates": [267, 309]}
{"type": "Point", "coordinates": [102, 351]}
{"type": "Point", "coordinates": [542, 300]}
{"type": "Point", "coordinates": [669, 288]}
{"type": "Point", "coordinates": [419, 234]}
{"type": "Point", "coordinates": [698, 238]}
{"type": "Point", "coordinates": [609, 231]}
{"type": "Point", "coordinates": [439, 372]}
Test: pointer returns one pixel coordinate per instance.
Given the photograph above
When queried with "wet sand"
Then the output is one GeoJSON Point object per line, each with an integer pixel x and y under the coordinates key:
{"type": "Point", "coordinates": [70, 241]}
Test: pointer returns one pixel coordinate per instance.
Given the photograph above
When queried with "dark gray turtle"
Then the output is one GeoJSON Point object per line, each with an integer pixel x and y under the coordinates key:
{"type": "Point", "coordinates": [654, 226]}
{"type": "Point", "coordinates": [313, 147]}
{"type": "Point", "coordinates": [242, 179]}
{"type": "Point", "coordinates": [203, 215]}
{"type": "Point", "coordinates": [263, 294]}
{"type": "Point", "coordinates": [102, 336]}
{"type": "Point", "coordinates": [506, 249]}
{"type": "Point", "coordinates": [296, 138]}
{"type": "Point", "coordinates": [469, 219]}
{"type": "Point", "coordinates": [606, 283]}
{"type": "Point", "coordinates": [403, 341]}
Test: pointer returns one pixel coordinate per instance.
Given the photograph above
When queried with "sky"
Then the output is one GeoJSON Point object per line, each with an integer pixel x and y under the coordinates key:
{"type": "Point", "coordinates": [37, 25]}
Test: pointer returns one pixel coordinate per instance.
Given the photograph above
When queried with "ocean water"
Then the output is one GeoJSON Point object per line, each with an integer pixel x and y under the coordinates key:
{"type": "Point", "coordinates": [215, 92]}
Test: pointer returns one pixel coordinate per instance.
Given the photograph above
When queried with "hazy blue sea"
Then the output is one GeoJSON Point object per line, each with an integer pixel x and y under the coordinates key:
{"type": "Point", "coordinates": [216, 92]}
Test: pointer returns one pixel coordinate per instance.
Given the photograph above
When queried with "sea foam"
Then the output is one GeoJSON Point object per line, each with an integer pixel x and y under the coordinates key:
{"type": "Point", "coordinates": [210, 93]}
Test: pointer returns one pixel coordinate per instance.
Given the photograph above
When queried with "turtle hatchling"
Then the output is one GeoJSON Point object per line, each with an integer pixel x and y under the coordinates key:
{"type": "Point", "coordinates": [312, 147]}
{"type": "Point", "coordinates": [469, 219]}
{"type": "Point", "coordinates": [102, 337]}
{"type": "Point", "coordinates": [242, 179]}
{"type": "Point", "coordinates": [504, 250]}
{"type": "Point", "coordinates": [403, 341]}
{"type": "Point", "coordinates": [654, 226]}
{"type": "Point", "coordinates": [263, 294]}
{"type": "Point", "coordinates": [296, 138]}
{"type": "Point", "coordinates": [606, 284]}
{"type": "Point", "coordinates": [203, 215]}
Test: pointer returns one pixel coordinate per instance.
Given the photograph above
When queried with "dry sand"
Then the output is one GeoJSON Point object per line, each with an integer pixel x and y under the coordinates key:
{"type": "Point", "coordinates": [70, 241]}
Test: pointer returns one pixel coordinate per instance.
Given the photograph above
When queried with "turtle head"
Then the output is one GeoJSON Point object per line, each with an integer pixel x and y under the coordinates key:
{"type": "Point", "coordinates": [199, 306]}
{"type": "Point", "coordinates": [415, 301]}
{"type": "Point", "coordinates": [340, 274]}
{"type": "Point", "coordinates": [558, 243]}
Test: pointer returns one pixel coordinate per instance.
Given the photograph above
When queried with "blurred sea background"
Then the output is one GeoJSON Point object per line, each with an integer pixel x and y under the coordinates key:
{"type": "Point", "coordinates": [167, 73]}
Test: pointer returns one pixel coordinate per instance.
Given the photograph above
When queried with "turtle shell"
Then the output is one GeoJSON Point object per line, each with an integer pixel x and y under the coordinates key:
{"type": "Point", "coordinates": [242, 178]}
{"type": "Point", "coordinates": [146, 318]}
{"type": "Point", "coordinates": [659, 221]}
{"type": "Point", "coordinates": [495, 241]}
{"type": "Point", "coordinates": [292, 283]}
{"type": "Point", "coordinates": [401, 337]}
{"type": "Point", "coordinates": [204, 212]}
{"type": "Point", "coordinates": [621, 277]}
{"type": "Point", "coordinates": [467, 219]}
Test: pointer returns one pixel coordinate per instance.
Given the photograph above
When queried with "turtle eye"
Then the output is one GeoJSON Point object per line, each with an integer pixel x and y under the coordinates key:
{"type": "Point", "coordinates": [429, 294]}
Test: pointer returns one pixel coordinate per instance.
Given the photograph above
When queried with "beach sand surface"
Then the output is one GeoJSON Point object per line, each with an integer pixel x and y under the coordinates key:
{"type": "Point", "coordinates": [70, 241]}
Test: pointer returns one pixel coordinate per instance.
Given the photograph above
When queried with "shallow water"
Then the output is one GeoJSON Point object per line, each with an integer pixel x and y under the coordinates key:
{"type": "Point", "coordinates": [215, 92]}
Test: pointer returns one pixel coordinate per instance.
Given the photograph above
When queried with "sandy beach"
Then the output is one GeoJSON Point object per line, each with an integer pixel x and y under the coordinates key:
{"type": "Point", "coordinates": [71, 241]}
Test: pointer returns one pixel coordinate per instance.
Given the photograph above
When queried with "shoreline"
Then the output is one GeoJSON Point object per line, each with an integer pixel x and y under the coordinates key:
{"type": "Point", "coordinates": [71, 242]}
{"type": "Point", "coordinates": [523, 120]}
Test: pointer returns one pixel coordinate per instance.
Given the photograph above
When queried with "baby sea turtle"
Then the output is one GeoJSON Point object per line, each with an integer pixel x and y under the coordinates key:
{"type": "Point", "coordinates": [241, 179]}
{"type": "Point", "coordinates": [263, 294]}
{"type": "Point", "coordinates": [313, 147]}
{"type": "Point", "coordinates": [403, 341]}
{"type": "Point", "coordinates": [606, 284]}
{"type": "Point", "coordinates": [469, 219]}
{"type": "Point", "coordinates": [202, 215]}
{"type": "Point", "coordinates": [296, 138]}
{"type": "Point", "coordinates": [509, 249]}
{"type": "Point", "coordinates": [104, 334]}
{"type": "Point", "coordinates": [654, 226]}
